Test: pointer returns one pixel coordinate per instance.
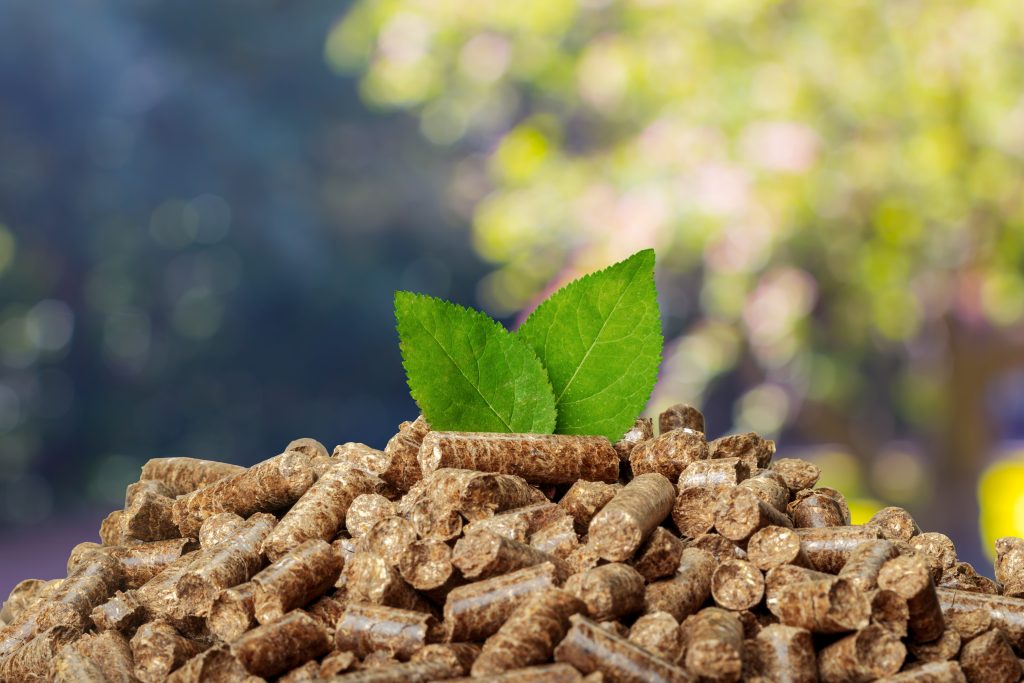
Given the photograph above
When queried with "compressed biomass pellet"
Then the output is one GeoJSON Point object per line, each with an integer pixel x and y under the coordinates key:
{"type": "Point", "coordinates": [935, 545]}
{"type": "Point", "coordinates": [865, 561]}
{"type": "Point", "coordinates": [684, 593]}
{"type": "Point", "coordinates": [739, 513]}
{"type": "Point", "coordinates": [215, 665]}
{"type": "Point", "coordinates": [798, 474]}
{"type": "Point", "coordinates": [812, 509]}
{"type": "Point", "coordinates": [963, 576]}
{"type": "Point", "coordinates": [546, 673]}
{"type": "Point", "coordinates": [112, 529]}
{"type": "Point", "coordinates": [590, 648]}
{"type": "Point", "coordinates": [230, 563]}
{"type": "Point", "coordinates": [659, 556]}
{"type": "Point", "coordinates": [750, 447]}
{"type": "Point", "coordinates": [773, 546]}
{"type": "Point", "coordinates": [121, 612]}
{"type": "Point", "coordinates": [141, 562]}
{"type": "Point", "coordinates": [158, 649]}
{"type": "Point", "coordinates": [320, 512]}
{"type": "Point", "coordinates": [147, 511]}
{"type": "Point", "coordinates": [990, 659]}
{"type": "Point", "coordinates": [785, 653]}
{"type": "Point", "coordinates": [265, 487]}
{"type": "Point", "coordinates": [617, 531]}
{"type": "Point", "coordinates": [404, 672]}
{"type": "Point", "coordinates": [309, 446]}
{"type": "Point", "coordinates": [724, 472]}
{"type": "Point", "coordinates": [669, 454]}
{"type": "Point", "coordinates": [737, 585]}
{"type": "Point", "coordinates": [218, 528]}
{"type": "Point", "coordinates": [969, 623]}
{"type": "Point", "coordinates": [426, 564]}
{"type": "Point", "coordinates": [184, 475]}
{"type": "Point", "coordinates": [233, 612]}
{"type": "Point", "coordinates": [519, 523]}
{"type": "Point", "coordinates": [909, 578]}
{"type": "Point", "coordinates": [337, 662]}
{"type": "Point", "coordinates": [694, 509]}
{"type": "Point", "coordinates": [364, 628]}
{"type": "Point", "coordinates": [485, 554]}
{"type": "Point", "coordinates": [1009, 565]}
{"type": "Point", "coordinates": [642, 430]}
{"type": "Point", "coordinates": [828, 548]}
{"type": "Point", "coordinates": [295, 580]}
{"type": "Point", "coordinates": [281, 645]}
{"type": "Point", "coordinates": [770, 487]}
{"type": "Point", "coordinates": [403, 467]}
{"type": "Point", "coordinates": [720, 547]}
{"type": "Point", "coordinates": [327, 610]}
{"type": "Point", "coordinates": [830, 605]}
{"type": "Point", "coordinates": [890, 610]}
{"type": "Point", "coordinates": [476, 495]}
{"type": "Point", "coordinates": [584, 499]}
{"type": "Point", "coordinates": [584, 557]}
{"type": "Point", "coordinates": [609, 592]}
{"type": "Point", "coordinates": [714, 645]}
{"type": "Point", "coordinates": [659, 634]}
{"type": "Point", "coordinates": [107, 652]}
{"type": "Point", "coordinates": [932, 672]}
{"type": "Point", "coordinates": [537, 458]}
{"type": "Point", "coordinates": [895, 524]}
{"type": "Point", "coordinates": [34, 660]}
{"type": "Point", "coordinates": [946, 646]}
{"type": "Point", "coordinates": [369, 578]}
{"type": "Point", "coordinates": [388, 538]}
{"type": "Point", "coordinates": [477, 610]}
{"type": "Point", "coordinates": [680, 416]}
{"type": "Point", "coordinates": [310, 671]}
{"type": "Point", "coordinates": [73, 667]}
{"type": "Point", "coordinates": [530, 634]}
{"type": "Point", "coordinates": [363, 457]}
{"type": "Point", "coordinates": [1006, 614]}
{"type": "Point", "coordinates": [366, 510]}
{"type": "Point", "coordinates": [456, 656]}
{"type": "Point", "coordinates": [860, 657]}
{"type": "Point", "coordinates": [840, 499]}
{"type": "Point", "coordinates": [557, 538]}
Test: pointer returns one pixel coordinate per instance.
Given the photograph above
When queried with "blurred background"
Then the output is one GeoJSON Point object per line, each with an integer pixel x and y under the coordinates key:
{"type": "Point", "coordinates": [204, 213]}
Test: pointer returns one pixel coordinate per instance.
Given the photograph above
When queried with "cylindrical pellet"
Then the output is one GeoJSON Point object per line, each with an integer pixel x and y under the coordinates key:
{"type": "Point", "coordinates": [1005, 613]}
{"type": "Point", "coordinates": [862, 567]}
{"type": "Point", "coordinates": [158, 649]}
{"type": "Point", "coordinates": [584, 499]}
{"type": "Point", "coordinates": [457, 656]}
{"type": "Point", "coordinates": [360, 455]}
{"type": "Point", "coordinates": [860, 657]}
{"type": "Point", "coordinates": [946, 646]}
{"type": "Point", "coordinates": [403, 672]}
{"type": "Point", "coordinates": [894, 523]}
{"type": "Point", "coordinates": [590, 648]}
{"type": "Point", "coordinates": [739, 513]}
{"type": "Point", "coordinates": [519, 523]}
{"type": "Point", "coordinates": [737, 585]}
{"type": "Point", "coordinates": [320, 512]}
{"type": "Point", "coordinates": [750, 447]}
{"type": "Point", "coordinates": [388, 538]}
{"type": "Point", "coordinates": [773, 546]}
{"type": "Point", "coordinates": [141, 562]}
{"type": "Point", "coordinates": [785, 654]}
{"type": "Point", "coordinates": [365, 628]}
{"type": "Point", "coordinates": [1009, 565]}
{"type": "Point", "coordinates": [829, 605]}
{"type": "Point", "coordinates": [990, 659]}
{"type": "Point", "coordinates": [720, 547]}
{"type": "Point", "coordinates": [34, 660]}
{"type": "Point", "coordinates": [669, 454]}
{"type": "Point", "coordinates": [828, 549]}
{"type": "Point", "coordinates": [184, 475]}
{"type": "Point", "coordinates": [770, 487]}
{"type": "Point", "coordinates": [281, 645]}
{"type": "Point", "coordinates": [366, 510]}
{"type": "Point", "coordinates": [642, 430]}
{"type": "Point", "coordinates": [724, 472]}
{"type": "Point", "coordinates": [147, 511]}
{"type": "Point", "coordinates": [932, 672]}
{"type": "Point", "coordinates": [624, 523]}
{"type": "Point", "coordinates": [937, 546]}
{"type": "Point", "coordinates": [217, 664]}
{"type": "Point", "coordinates": [909, 578]}
{"type": "Point", "coordinates": [402, 450]}
{"type": "Point", "coordinates": [890, 610]}
{"type": "Point", "coordinates": [233, 612]}
{"type": "Point", "coordinates": [218, 528]}
{"type": "Point", "coordinates": [659, 556]}
{"type": "Point", "coordinates": [714, 645]}
{"type": "Point", "coordinates": [537, 458]}
{"type": "Point", "coordinates": [684, 593]}
{"type": "Point", "coordinates": [610, 591]}
{"type": "Point", "coordinates": [798, 474]}
{"type": "Point", "coordinates": [694, 509]}
{"type": "Point", "coordinates": [265, 487]}
{"type": "Point", "coordinates": [108, 651]}
{"type": "Point", "coordinates": [963, 575]}
{"type": "Point", "coordinates": [680, 416]}
{"type": "Point", "coordinates": [477, 610]}
{"type": "Point", "coordinates": [557, 538]}
{"type": "Point", "coordinates": [295, 580]}
{"type": "Point", "coordinates": [530, 634]}
{"type": "Point", "coordinates": [812, 509]}
{"type": "Point", "coordinates": [485, 554]}
{"type": "Point", "coordinates": [369, 578]}
{"type": "Point", "coordinates": [659, 634]}
{"type": "Point", "coordinates": [426, 564]}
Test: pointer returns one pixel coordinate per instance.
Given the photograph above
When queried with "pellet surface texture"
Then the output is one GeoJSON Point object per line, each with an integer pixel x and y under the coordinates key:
{"type": "Point", "coordinates": [617, 531]}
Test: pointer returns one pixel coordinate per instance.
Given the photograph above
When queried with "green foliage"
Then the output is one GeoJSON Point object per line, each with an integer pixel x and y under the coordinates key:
{"type": "Point", "coordinates": [467, 373]}
{"type": "Point", "coordinates": [599, 338]}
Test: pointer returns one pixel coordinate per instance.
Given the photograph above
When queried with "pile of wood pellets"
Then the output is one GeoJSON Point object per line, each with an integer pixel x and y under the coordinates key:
{"type": "Point", "coordinates": [513, 557]}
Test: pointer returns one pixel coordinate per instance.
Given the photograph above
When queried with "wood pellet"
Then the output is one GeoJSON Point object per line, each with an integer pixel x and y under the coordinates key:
{"type": "Point", "coordinates": [513, 557]}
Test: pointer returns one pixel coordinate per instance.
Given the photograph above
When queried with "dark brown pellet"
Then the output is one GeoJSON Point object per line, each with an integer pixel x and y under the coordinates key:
{"type": "Point", "coordinates": [365, 628]}
{"type": "Point", "coordinates": [122, 612]}
{"type": "Point", "coordinates": [642, 430]}
{"type": "Point", "coordinates": [946, 646]}
{"type": "Point", "coordinates": [935, 545]}
{"type": "Point", "coordinates": [895, 524]}
{"type": "Point", "coordinates": [477, 610]}
{"type": "Point", "coordinates": [659, 634]}
{"type": "Point", "coordinates": [785, 653]}
{"type": "Point", "coordinates": [964, 576]}
{"type": "Point", "coordinates": [531, 633]}
{"type": "Point", "coordinates": [739, 513]}
{"type": "Point", "coordinates": [737, 585]}
{"type": "Point", "coordinates": [798, 474]}
{"type": "Point", "coordinates": [337, 662]}
{"type": "Point", "coordinates": [968, 623]}
{"type": "Point", "coordinates": [295, 580]}
{"type": "Point", "coordinates": [860, 657]}
{"type": "Point", "coordinates": [812, 509]}
{"type": "Point", "coordinates": [109, 653]}
{"type": "Point", "coordinates": [659, 556]}
{"type": "Point", "coordinates": [909, 578]}
{"type": "Point", "coordinates": [829, 605]}
{"type": "Point", "coordinates": [485, 554]}
{"type": "Point", "coordinates": [669, 454]}
{"type": "Point", "coordinates": [932, 672]}
{"type": "Point", "coordinates": [829, 548]}
{"type": "Point", "coordinates": [268, 486]}
{"type": "Point", "coordinates": [546, 673]}
{"type": "Point", "coordinates": [281, 645]}
{"type": "Point", "coordinates": [537, 458]}
{"type": "Point", "coordinates": [215, 665]}
{"type": "Point", "coordinates": [617, 531]}
{"type": "Point", "coordinates": [1005, 613]}
{"type": "Point", "coordinates": [749, 447]}
{"type": "Point", "coordinates": [233, 612]}
{"type": "Point", "coordinates": [1009, 565]}
{"type": "Point", "coordinates": [583, 558]}
{"type": "Point", "coordinates": [773, 546]}
{"type": "Point", "coordinates": [584, 499]}
{"type": "Point", "coordinates": [990, 659]}
{"type": "Point", "coordinates": [680, 416]}
{"type": "Point", "coordinates": [366, 510]}
{"type": "Point", "coordinates": [714, 645]}
{"type": "Point", "coordinates": [185, 475]}
{"type": "Point", "coordinates": [456, 656]}
{"type": "Point", "coordinates": [426, 564]}
{"type": "Point", "coordinates": [684, 593]}
{"type": "Point", "coordinates": [520, 523]}
{"type": "Point", "coordinates": [694, 509]}
{"type": "Point", "coordinates": [403, 467]}
{"type": "Point", "coordinates": [610, 591]}
{"type": "Point", "coordinates": [310, 671]}
{"type": "Point", "coordinates": [590, 648]}
{"type": "Point", "coordinates": [770, 487]}
{"type": "Point", "coordinates": [889, 610]}
{"type": "Point", "coordinates": [158, 649]}
{"type": "Point", "coordinates": [141, 562]}
{"type": "Point", "coordinates": [404, 672]}
{"type": "Point", "coordinates": [720, 547]}
{"type": "Point", "coordinates": [147, 511]}
{"type": "Point", "coordinates": [862, 567]}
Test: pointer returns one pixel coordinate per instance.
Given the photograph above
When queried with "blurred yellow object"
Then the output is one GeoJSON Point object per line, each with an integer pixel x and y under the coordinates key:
{"type": "Point", "coordinates": [861, 509]}
{"type": "Point", "coordinates": [1001, 500]}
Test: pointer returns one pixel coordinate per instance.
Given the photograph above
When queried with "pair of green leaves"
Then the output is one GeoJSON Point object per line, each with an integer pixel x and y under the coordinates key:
{"type": "Point", "coordinates": [584, 362]}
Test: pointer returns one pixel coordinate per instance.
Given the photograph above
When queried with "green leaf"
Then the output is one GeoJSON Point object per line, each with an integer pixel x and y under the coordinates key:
{"type": "Point", "coordinates": [467, 372]}
{"type": "Point", "coordinates": [599, 338]}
